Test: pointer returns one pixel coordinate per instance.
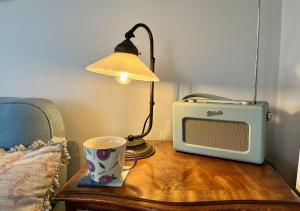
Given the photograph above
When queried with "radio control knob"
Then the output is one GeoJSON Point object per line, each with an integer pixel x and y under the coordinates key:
{"type": "Point", "coordinates": [269, 116]}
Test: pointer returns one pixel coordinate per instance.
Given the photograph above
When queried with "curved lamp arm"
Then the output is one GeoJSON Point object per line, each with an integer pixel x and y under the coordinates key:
{"type": "Point", "coordinates": [128, 36]}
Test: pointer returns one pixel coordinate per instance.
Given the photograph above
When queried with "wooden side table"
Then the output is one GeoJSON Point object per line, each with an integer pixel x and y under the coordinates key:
{"type": "Point", "coordinates": [171, 180]}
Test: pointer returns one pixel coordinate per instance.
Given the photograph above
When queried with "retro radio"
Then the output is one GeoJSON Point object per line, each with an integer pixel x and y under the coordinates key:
{"type": "Point", "coordinates": [219, 127]}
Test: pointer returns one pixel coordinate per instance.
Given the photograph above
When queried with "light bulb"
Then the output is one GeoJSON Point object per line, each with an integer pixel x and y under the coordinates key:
{"type": "Point", "coordinates": [122, 77]}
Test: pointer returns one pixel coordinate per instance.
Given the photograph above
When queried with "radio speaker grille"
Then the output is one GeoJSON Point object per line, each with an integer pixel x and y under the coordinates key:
{"type": "Point", "coordinates": [216, 133]}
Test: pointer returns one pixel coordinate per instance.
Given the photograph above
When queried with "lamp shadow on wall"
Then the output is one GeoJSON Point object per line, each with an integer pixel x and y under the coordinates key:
{"type": "Point", "coordinates": [187, 72]}
{"type": "Point", "coordinates": [284, 140]}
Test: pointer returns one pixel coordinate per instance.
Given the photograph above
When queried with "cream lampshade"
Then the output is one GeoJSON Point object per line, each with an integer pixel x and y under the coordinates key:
{"type": "Point", "coordinates": [123, 66]}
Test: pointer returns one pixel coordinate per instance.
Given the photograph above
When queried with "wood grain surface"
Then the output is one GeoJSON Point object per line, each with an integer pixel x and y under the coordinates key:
{"type": "Point", "coordinates": [172, 180]}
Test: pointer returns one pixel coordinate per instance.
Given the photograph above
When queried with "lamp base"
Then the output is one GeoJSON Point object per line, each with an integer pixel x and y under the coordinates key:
{"type": "Point", "coordinates": [140, 147]}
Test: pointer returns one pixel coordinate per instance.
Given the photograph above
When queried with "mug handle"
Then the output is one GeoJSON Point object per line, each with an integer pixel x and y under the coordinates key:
{"type": "Point", "coordinates": [134, 160]}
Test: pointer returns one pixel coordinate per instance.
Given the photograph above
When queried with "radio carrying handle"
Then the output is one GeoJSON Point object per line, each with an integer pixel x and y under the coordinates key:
{"type": "Point", "coordinates": [204, 95]}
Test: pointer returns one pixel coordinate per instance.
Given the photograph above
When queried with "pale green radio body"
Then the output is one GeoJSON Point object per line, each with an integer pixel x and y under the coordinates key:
{"type": "Point", "coordinates": [226, 128]}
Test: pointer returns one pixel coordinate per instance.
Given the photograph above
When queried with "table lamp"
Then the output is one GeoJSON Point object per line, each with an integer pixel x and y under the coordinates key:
{"type": "Point", "coordinates": [125, 65]}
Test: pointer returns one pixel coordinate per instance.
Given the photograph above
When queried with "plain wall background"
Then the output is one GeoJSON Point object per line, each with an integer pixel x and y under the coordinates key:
{"type": "Point", "coordinates": [200, 46]}
{"type": "Point", "coordinates": [287, 139]}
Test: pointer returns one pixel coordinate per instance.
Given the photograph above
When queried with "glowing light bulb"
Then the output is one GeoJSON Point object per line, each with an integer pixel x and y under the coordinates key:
{"type": "Point", "coordinates": [123, 78]}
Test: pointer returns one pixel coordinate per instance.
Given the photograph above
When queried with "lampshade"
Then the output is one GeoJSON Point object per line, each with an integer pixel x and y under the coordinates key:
{"type": "Point", "coordinates": [119, 62]}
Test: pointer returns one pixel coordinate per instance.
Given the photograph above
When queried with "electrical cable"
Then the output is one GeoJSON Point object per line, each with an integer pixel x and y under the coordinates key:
{"type": "Point", "coordinates": [145, 123]}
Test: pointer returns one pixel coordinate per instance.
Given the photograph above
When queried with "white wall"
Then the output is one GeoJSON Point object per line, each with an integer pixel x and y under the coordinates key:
{"type": "Point", "coordinates": [200, 45]}
{"type": "Point", "coordinates": [287, 139]}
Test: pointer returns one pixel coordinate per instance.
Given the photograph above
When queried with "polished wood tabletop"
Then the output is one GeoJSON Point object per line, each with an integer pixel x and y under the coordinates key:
{"type": "Point", "coordinates": [171, 180]}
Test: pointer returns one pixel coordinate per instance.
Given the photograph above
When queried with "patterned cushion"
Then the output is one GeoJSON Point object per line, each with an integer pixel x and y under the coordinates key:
{"type": "Point", "coordinates": [28, 176]}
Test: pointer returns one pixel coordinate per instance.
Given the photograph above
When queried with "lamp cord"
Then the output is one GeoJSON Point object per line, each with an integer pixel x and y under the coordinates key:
{"type": "Point", "coordinates": [145, 123]}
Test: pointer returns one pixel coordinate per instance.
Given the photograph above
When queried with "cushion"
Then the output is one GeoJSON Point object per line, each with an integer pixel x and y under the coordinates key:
{"type": "Point", "coordinates": [28, 176]}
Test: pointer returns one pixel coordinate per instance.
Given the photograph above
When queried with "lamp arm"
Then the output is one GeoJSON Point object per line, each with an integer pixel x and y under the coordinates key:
{"type": "Point", "coordinates": [128, 36]}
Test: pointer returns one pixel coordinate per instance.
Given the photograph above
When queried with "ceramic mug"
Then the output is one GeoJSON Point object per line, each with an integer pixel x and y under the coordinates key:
{"type": "Point", "coordinates": [105, 158]}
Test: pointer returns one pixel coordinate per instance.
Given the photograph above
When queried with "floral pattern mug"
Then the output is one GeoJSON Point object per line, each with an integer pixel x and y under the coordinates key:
{"type": "Point", "coordinates": [105, 158]}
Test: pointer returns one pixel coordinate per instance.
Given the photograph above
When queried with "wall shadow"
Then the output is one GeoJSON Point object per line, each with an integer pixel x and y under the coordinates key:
{"type": "Point", "coordinates": [284, 144]}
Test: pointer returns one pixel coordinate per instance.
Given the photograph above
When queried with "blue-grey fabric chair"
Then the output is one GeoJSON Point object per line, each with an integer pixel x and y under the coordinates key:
{"type": "Point", "coordinates": [24, 120]}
